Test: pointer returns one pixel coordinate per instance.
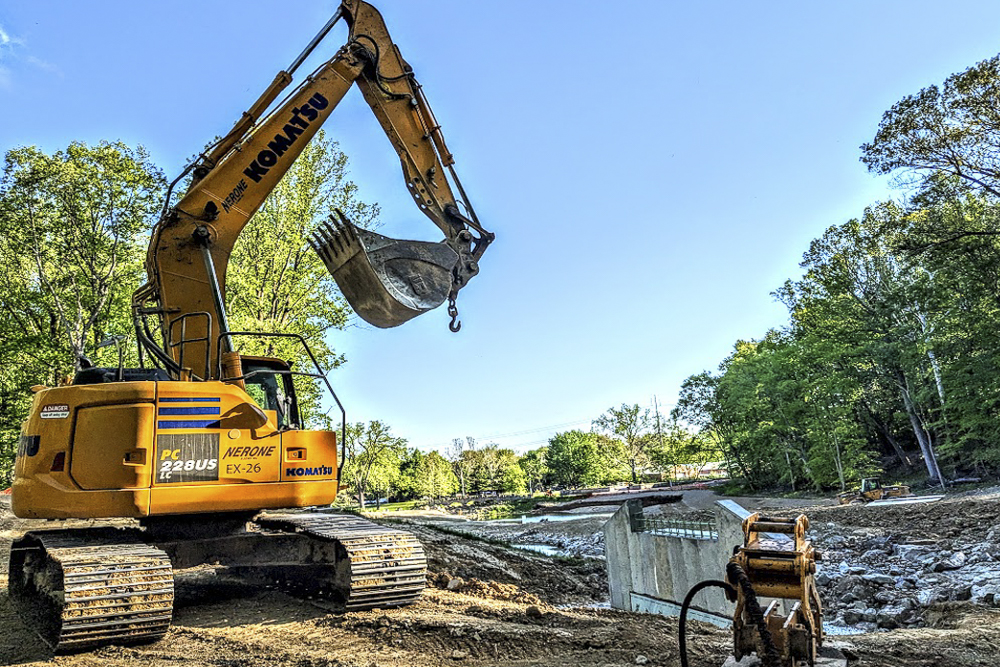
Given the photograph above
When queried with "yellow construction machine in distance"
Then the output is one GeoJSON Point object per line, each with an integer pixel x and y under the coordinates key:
{"type": "Point", "coordinates": [872, 490]}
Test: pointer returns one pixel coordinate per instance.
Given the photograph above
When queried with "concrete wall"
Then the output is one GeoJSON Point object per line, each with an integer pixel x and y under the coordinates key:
{"type": "Point", "coordinates": [668, 567]}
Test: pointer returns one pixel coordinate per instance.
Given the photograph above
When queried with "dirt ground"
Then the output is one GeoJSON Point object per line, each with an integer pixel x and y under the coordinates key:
{"type": "Point", "coordinates": [493, 605]}
{"type": "Point", "coordinates": [965, 636]}
{"type": "Point", "coordinates": [488, 605]}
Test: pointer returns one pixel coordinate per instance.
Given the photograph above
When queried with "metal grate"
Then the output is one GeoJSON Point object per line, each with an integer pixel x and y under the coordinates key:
{"type": "Point", "coordinates": [697, 530]}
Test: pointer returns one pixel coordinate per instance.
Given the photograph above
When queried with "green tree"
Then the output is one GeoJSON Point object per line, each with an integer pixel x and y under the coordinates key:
{"type": "Point", "coordinates": [891, 341]}
{"type": "Point", "coordinates": [771, 410]}
{"type": "Point", "coordinates": [628, 425]}
{"type": "Point", "coordinates": [535, 466]}
{"type": "Point", "coordinates": [676, 445]}
{"type": "Point", "coordinates": [406, 485]}
{"type": "Point", "coordinates": [73, 226]}
{"type": "Point", "coordinates": [699, 406]}
{"type": "Point", "coordinates": [953, 130]}
{"type": "Point", "coordinates": [373, 458]}
{"type": "Point", "coordinates": [437, 478]}
{"type": "Point", "coordinates": [945, 141]}
{"type": "Point", "coordinates": [432, 476]}
{"type": "Point", "coordinates": [72, 238]}
{"type": "Point", "coordinates": [463, 457]}
{"type": "Point", "coordinates": [495, 469]}
{"type": "Point", "coordinates": [511, 477]}
{"type": "Point", "coordinates": [578, 458]}
{"type": "Point", "coordinates": [883, 309]}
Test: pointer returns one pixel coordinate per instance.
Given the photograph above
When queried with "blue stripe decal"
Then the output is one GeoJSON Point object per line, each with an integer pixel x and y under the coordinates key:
{"type": "Point", "coordinates": [200, 423]}
{"type": "Point", "coordinates": [189, 411]}
{"type": "Point", "coordinates": [193, 399]}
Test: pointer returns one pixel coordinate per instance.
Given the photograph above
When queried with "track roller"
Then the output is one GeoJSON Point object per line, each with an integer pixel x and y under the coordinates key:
{"type": "Point", "coordinates": [79, 592]}
{"type": "Point", "coordinates": [377, 567]}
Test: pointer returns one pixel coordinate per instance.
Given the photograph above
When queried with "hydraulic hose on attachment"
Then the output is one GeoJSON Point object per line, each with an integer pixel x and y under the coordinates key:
{"type": "Point", "coordinates": [771, 657]}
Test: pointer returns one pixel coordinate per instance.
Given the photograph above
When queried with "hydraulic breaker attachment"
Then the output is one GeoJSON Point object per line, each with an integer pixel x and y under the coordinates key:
{"type": "Point", "coordinates": [386, 281]}
{"type": "Point", "coordinates": [769, 565]}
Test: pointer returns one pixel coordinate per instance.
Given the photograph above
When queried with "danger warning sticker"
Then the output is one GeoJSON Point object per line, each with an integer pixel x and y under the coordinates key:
{"type": "Point", "coordinates": [60, 411]}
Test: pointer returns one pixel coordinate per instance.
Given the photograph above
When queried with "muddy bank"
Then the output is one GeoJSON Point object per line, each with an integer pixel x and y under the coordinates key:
{"type": "Point", "coordinates": [572, 535]}
{"type": "Point", "coordinates": [577, 531]}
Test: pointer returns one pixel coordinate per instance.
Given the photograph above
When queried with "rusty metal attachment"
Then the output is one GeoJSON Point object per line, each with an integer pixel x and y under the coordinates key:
{"type": "Point", "coordinates": [386, 281]}
{"type": "Point", "coordinates": [772, 566]}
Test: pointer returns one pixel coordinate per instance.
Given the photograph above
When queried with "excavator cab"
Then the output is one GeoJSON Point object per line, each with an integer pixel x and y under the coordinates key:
{"type": "Point", "coordinates": [871, 485]}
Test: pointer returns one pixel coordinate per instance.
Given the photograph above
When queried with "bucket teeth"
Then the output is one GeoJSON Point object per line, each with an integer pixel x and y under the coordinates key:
{"type": "Point", "coordinates": [335, 241]}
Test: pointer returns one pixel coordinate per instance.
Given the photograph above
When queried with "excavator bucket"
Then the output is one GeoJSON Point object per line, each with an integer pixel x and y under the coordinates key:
{"type": "Point", "coordinates": [386, 281]}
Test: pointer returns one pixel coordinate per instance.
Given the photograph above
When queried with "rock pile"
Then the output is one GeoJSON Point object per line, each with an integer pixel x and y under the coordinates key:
{"type": "Point", "coordinates": [869, 581]}
{"type": "Point", "coordinates": [584, 546]}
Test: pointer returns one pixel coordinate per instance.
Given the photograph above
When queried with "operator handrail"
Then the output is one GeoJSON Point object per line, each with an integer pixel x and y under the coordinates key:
{"type": "Point", "coordinates": [319, 374]}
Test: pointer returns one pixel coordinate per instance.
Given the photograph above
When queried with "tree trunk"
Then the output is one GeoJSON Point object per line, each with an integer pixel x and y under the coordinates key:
{"type": "Point", "coordinates": [840, 464]}
{"type": "Point", "coordinates": [903, 456]}
{"type": "Point", "coordinates": [935, 367]}
{"type": "Point", "coordinates": [733, 456]}
{"type": "Point", "coordinates": [791, 473]}
{"type": "Point", "coordinates": [938, 381]}
{"type": "Point", "coordinates": [883, 429]}
{"type": "Point", "coordinates": [923, 437]}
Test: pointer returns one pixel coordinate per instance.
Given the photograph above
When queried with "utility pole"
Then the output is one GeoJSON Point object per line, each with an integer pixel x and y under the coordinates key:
{"type": "Point", "coordinates": [659, 436]}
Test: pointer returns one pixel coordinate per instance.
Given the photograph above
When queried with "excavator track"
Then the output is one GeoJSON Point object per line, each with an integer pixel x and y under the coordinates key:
{"type": "Point", "coordinates": [83, 588]}
{"type": "Point", "coordinates": [382, 567]}
{"type": "Point", "coordinates": [79, 591]}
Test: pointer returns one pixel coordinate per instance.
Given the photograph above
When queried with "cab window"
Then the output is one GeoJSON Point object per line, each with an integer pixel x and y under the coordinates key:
{"type": "Point", "coordinates": [272, 391]}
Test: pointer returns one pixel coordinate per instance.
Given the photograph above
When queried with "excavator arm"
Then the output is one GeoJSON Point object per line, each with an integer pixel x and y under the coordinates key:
{"type": "Point", "coordinates": [386, 281]}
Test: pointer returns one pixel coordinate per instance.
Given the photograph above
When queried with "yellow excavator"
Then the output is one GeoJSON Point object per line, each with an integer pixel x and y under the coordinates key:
{"type": "Point", "coordinates": [199, 440]}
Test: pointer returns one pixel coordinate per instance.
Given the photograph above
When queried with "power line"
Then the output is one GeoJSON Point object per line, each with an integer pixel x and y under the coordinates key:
{"type": "Point", "coordinates": [535, 430]}
{"type": "Point", "coordinates": [515, 434]}
{"type": "Point", "coordinates": [528, 445]}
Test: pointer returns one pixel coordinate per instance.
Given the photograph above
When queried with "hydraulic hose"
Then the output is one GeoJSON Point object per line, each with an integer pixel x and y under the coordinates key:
{"type": "Point", "coordinates": [771, 657]}
{"type": "Point", "coordinates": [682, 625]}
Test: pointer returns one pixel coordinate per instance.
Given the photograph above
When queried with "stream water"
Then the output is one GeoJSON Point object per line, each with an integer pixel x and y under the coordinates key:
{"type": "Point", "coordinates": [544, 549]}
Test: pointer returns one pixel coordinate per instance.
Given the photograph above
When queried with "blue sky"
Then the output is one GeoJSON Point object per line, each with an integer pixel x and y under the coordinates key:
{"type": "Point", "coordinates": [652, 170]}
